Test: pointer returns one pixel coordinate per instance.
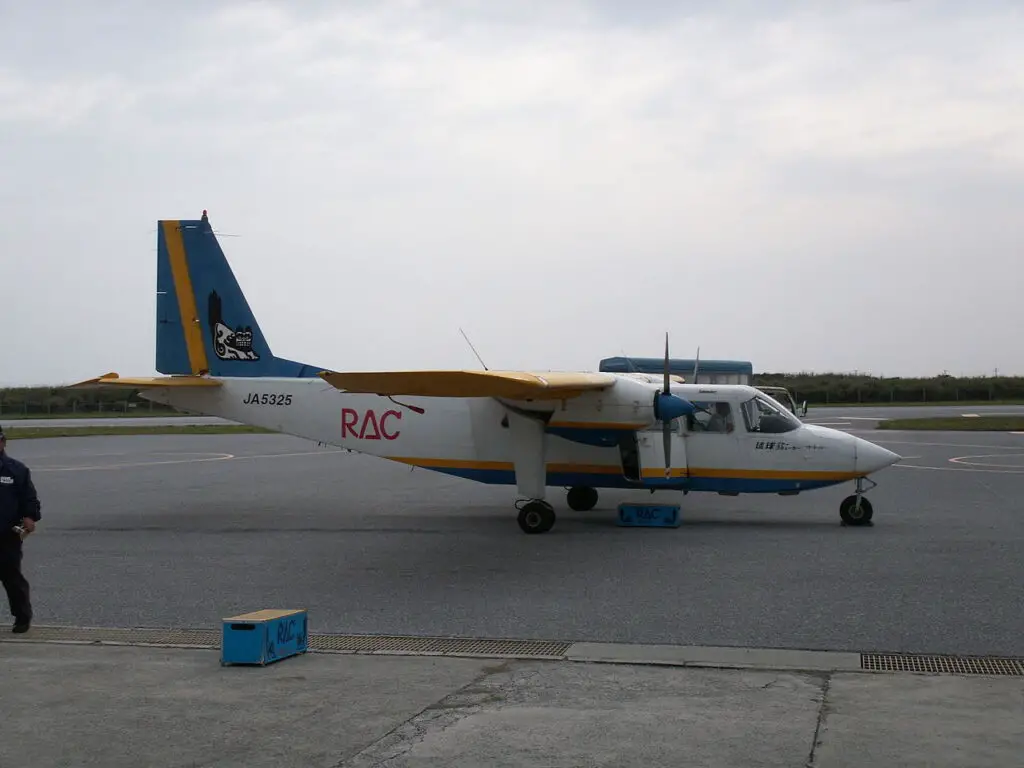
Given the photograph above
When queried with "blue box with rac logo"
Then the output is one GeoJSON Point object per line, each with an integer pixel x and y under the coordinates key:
{"type": "Point", "coordinates": [263, 637]}
{"type": "Point", "coordinates": [649, 515]}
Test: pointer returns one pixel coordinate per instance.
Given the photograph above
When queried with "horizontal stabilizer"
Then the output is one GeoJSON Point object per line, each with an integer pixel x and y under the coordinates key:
{"type": "Point", "coordinates": [515, 385]}
{"type": "Point", "coordinates": [147, 382]}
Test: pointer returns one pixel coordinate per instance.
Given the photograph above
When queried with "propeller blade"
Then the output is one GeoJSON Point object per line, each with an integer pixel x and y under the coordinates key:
{"type": "Point", "coordinates": [696, 366]}
{"type": "Point", "coordinates": [666, 434]}
{"type": "Point", "coordinates": [666, 426]}
{"type": "Point", "coordinates": [667, 382]}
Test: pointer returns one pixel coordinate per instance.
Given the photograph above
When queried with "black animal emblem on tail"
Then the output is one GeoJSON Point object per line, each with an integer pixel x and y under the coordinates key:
{"type": "Point", "coordinates": [228, 344]}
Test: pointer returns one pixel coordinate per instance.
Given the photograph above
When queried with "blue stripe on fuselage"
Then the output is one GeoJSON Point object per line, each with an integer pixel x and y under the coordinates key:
{"type": "Point", "coordinates": [602, 480]}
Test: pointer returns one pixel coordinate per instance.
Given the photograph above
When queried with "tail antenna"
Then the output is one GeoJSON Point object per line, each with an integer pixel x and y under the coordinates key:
{"type": "Point", "coordinates": [206, 219]}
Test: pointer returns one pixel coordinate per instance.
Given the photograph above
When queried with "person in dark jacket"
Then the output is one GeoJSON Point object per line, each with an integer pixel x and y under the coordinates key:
{"type": "Point", "coordinates": [19, 513]}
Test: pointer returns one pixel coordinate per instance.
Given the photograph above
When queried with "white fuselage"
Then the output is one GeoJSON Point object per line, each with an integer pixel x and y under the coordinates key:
{"type": "Point", "coordinates": [470, 437]}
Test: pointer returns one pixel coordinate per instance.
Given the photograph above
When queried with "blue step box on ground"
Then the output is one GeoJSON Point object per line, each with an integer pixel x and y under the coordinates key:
{"type": "Point", "coordinates": [649, 515]}
{"type": "Point", "coordinates": [263, 637]}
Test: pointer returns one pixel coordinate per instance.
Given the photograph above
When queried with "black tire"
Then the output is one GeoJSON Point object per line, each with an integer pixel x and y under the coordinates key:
{"type": "Point", "coordinates": [853, 514]}
{"type": "Point", "coordinates": [581, 498]}
{"type": "Point", "coordinates": [536, 517]}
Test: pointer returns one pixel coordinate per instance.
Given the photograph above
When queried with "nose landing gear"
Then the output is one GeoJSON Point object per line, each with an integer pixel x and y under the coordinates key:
{"type": "Point", "coordinates": [855, 509]}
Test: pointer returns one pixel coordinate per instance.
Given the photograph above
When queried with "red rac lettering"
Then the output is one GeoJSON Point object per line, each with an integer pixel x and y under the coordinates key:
{"type": "Point", "coordinates": [369, 426]}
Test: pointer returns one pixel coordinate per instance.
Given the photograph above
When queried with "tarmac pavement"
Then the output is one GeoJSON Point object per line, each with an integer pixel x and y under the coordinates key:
{"type": "Point", "coordinates": [179, 531]}
{"type": "Point", "coordinates": [172, 531]}
{"type": "Point", "coordinates": [67, 705]}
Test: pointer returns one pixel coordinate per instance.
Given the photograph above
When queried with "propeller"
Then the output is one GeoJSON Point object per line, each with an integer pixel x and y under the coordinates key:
{"type": "Point", "coordinates": [668, 407]}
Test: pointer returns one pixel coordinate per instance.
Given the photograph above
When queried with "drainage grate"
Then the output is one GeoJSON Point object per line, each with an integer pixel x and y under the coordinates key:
{"type": "Point", "coordinates": [477, 647]}
{"type": "Point", "coordinates": [323, 643]}
{"type": "Point", "coordinates": [957, 665]}
{"type": "Point", "coordinates": [447, 646]}
{"type": "Point", "coordinates": [201, 638]}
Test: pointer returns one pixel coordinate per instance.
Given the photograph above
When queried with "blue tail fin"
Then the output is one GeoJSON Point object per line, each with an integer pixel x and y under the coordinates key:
{"type": "Point", "coordinates": [203, 322]}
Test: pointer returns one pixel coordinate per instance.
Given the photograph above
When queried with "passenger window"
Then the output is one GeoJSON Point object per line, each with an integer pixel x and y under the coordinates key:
{"type": "Point", "coordinates": [711, 417]}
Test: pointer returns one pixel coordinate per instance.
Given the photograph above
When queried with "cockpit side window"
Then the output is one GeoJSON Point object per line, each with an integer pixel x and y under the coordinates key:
{"type": "Point", "coordinates": [711, 417]}
{"type": "Point", "coordinates": [763, 415]}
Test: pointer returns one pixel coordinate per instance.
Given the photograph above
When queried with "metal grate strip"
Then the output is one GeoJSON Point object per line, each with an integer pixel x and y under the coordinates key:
{"type": "Point", "coordinates": [201, 638]}
{"type": "Point", "coordinates": [957, 665]}
{"type": "Point", "coordinates": [439, 645]}
{"type": "Point", "coordinates": [477, 647]}
{"type": "Point", "coordinates": [323, 643]}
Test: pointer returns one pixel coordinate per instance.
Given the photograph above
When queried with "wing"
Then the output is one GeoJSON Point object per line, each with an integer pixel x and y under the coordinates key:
{"type": "Point", "coordinates": [113, 380]}
{"type": "Point", "coordinates": [514, 385]}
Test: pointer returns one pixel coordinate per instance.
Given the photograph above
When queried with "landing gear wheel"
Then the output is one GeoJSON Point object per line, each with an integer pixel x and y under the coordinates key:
{"type": "Point", "coordinates": [581, 498]}
{"type": "Point", "coordinates": [856, 510]}
{"type": "Point", "coordinates": [536, 517]}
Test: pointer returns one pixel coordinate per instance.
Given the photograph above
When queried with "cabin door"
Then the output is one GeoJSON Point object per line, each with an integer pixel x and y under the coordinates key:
{"type": "Point", "coordinates": [643, 455]}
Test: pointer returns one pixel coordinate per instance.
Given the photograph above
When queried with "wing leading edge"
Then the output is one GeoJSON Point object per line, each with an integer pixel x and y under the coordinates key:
{"type": "Point", "coordinates": [146, 382]}
{"type": "Point", "coordinates": [513, 385]}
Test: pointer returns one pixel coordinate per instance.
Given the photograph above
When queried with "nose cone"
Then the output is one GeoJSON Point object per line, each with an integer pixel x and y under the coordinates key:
{"type": "Point", "coordinates": [871, 458]}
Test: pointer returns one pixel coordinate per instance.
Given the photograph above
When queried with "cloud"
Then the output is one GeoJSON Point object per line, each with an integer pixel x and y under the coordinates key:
{"type": "Point", "coordinates": [618, 171]}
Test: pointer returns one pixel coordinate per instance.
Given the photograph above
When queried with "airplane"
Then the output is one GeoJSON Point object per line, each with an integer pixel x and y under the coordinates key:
{"type": "Point", "coordinates": [532, 429]}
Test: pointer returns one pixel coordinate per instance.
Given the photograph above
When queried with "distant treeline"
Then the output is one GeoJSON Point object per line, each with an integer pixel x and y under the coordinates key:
{"type": "Point", "coordinates": [52, 401]}
{"type": "Point", "coordinates": [843, 388]}
{"type": "Point", "coordinates": [815, 388]}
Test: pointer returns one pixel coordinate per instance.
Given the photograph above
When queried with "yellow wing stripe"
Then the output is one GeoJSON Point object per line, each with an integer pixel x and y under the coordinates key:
{"type": "Point", "coordinates": [113, 380]}
{"type": "Point", "coordinates": [604, 469]}
{"type": "Point", "coordinates": [674, 472]}
{"type": "Point", "coordinates": [614, 469]}
{"type": "Point", "coordinates": [190, 323]}
{"type": "Point", "coordinates": [515, 385]}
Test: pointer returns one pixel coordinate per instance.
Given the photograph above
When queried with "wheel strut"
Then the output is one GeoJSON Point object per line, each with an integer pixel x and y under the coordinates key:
{"type": "Point", "coordinates": [855, 509]}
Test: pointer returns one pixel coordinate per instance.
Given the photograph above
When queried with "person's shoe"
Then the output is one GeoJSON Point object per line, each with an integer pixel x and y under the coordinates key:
{"type": "Point", "coordinates": [21, 627]}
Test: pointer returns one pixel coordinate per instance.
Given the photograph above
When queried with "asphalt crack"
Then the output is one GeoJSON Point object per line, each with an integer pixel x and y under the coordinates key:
{"type": "Point", "coordinates": [468, 700]}
{"type": "Point", "coordinates": [822, 714]}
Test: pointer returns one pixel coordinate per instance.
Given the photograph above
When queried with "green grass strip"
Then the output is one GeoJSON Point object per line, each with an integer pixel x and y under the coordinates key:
{"type": "Point", "coordinates": [30, 433]}
{"type": "Point", "coordinates": [958, 424]}
{"type": "Point", "coordinates": [11, 417]}
{"type": "Point", "coordinates": [916, 404]}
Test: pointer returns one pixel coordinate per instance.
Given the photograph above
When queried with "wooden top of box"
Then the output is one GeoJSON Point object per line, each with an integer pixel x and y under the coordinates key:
{"type": "Point", "coordinates": [266, 614]}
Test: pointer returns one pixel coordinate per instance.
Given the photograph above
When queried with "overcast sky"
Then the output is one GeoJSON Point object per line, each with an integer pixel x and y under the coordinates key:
{"type": "Point", "coordinates": [806, 189]}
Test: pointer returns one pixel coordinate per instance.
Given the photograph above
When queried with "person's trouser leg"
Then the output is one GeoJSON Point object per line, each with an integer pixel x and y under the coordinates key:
{"type": "Point", "coordinates": [15, 583]}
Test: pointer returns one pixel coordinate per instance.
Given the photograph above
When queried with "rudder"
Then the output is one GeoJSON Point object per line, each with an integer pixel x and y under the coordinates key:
{"type": "Point", "coordinates": [204, 323]}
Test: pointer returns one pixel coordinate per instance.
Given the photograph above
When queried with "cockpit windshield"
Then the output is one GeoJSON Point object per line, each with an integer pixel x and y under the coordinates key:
{"type": "Point", "coordinates": [765, 416]}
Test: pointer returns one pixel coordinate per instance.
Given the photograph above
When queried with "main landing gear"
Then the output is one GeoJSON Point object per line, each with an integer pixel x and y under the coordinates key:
{"type": "Point", "coordinates": [536, 516]}
{"type": "Point", "coordinates": [581, 498]}
{"type": "Point", "coordinates": [855, 509]}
